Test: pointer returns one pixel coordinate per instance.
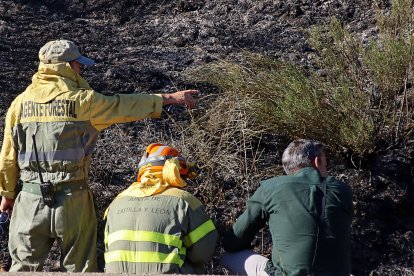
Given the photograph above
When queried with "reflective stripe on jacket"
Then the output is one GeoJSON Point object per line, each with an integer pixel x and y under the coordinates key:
{"type": "Point", "coordinates": [65, 115]}
{"type": "Point", "coordinates": [166, 233]}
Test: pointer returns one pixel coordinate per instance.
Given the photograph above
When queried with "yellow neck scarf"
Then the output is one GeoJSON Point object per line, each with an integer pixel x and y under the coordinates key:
{"type": "Point", "coordinates": [155, 181]}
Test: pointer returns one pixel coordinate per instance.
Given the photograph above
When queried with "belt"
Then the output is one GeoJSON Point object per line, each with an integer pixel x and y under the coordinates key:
{"type": "Point", "coordinates": [60, 189]}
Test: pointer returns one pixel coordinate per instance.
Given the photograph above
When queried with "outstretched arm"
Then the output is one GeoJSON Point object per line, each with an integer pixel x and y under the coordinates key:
{"type": "Point", "coordinates": [121, 108]}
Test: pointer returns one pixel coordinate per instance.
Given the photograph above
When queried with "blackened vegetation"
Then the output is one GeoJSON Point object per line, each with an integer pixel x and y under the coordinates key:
{"type": "Point", "coordinates": [144, 46]}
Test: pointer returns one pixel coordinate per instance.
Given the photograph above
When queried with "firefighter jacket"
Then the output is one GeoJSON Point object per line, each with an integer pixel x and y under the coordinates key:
{"type": "Point", "coordinates": [65, 116]}
{"type": "Point", "coordinates": [291, 205]}
{"type": "Point", "coordinates": [168, 232]}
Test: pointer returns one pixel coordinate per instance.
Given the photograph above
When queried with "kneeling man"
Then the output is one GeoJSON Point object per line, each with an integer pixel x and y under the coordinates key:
{"type": "Point", "coordinates": [309, 215]}
{"type": "Point", "coordinates": [156, 227]}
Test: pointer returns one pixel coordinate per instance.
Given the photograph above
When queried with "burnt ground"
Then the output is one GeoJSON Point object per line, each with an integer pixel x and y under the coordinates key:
{"type": "Point", "coordinates": [145, 46]}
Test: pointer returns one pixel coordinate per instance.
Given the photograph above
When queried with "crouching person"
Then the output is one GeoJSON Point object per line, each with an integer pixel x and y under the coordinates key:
{"type": "Point", "coordinates": [156, 227]}
{"type": "Point", "coordinates": [309, 215]}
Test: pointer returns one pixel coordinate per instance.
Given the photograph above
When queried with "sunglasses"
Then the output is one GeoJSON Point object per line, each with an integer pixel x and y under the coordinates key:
{"type": "Point", "coordinates": [4, 225]}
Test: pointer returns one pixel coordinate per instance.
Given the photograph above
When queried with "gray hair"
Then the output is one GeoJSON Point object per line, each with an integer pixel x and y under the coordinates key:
{"type": "Point", "coordinates": [300, 153]}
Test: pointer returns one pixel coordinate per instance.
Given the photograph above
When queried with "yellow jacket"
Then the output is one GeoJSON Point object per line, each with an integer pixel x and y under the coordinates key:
{"type": "Point", "coordinates": [65, 115]}
{"type": "Point", "coordinates": [169, 232]}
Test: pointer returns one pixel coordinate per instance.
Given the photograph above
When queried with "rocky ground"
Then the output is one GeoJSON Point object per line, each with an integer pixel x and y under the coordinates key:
{"type": "Point", "coordinates": [145, 46]}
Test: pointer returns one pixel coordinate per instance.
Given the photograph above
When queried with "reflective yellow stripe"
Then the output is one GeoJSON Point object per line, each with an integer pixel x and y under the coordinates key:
{"type": "Point", "coordinates": [106, 237]}
{"type": "Point", "coordinates": [143, 257]}
{"type": "Point", "coordinates": [199, 233]}
{"type": "Point", "coordinates": [147, 236]}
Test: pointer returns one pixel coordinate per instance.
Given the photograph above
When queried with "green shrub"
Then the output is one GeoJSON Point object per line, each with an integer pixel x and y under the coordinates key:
{"type": "Point", "coordinates": [357, 97]}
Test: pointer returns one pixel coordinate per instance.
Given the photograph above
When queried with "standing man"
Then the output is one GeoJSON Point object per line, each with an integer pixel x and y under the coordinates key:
{"type": "Point", "coordinates": [50, 133]}
{"type": "Point", "coordinates": [309, 215]}
{"type": "Point", "coordinates": [155, 227]}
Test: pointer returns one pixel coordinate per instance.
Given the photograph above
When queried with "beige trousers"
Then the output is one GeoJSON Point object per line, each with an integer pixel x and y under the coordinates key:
{"type": "Point", "coordinates": [245, 262]}
{"type": "Point", "coordinates": [34, 227]}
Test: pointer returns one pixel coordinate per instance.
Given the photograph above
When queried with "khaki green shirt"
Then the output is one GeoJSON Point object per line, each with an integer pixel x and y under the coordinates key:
{"type": "Point", "coordinates": [291, 206]}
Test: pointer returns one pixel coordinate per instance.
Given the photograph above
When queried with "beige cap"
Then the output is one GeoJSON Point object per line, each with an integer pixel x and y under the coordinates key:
{"type": "Point", "coordinates": [62, 51]}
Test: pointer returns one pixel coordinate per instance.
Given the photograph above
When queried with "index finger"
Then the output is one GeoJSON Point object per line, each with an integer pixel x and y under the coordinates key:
{"type": "Point", "coordinates": [192, 91]}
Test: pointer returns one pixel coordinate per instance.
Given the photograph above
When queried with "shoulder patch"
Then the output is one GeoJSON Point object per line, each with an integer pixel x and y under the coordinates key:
{"type": "Point", "coordinates": [184, 195]}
